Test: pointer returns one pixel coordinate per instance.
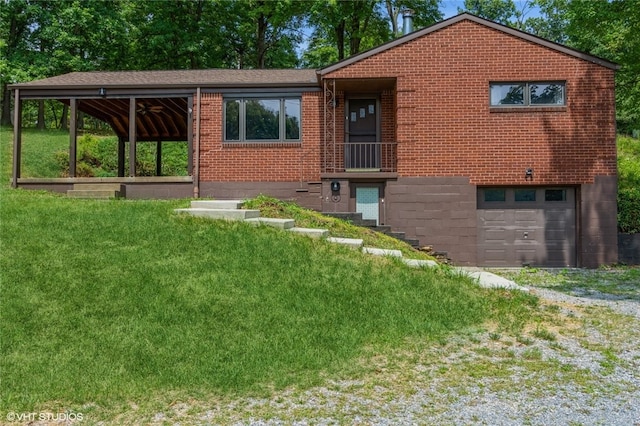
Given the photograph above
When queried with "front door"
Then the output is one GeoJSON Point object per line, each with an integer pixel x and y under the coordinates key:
{"type": "Point", "coordinates": [362, 150]}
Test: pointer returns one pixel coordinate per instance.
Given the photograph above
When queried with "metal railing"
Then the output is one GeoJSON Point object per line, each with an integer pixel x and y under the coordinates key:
{"type": "Point", "coordinates": [361, 157]}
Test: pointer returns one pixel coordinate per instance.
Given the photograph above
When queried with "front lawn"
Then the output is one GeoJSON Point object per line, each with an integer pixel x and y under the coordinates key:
{"type": "Point", "coordinates": [105, 302]}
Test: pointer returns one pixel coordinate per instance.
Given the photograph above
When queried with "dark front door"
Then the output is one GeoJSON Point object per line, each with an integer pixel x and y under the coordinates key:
{"type": "Point", "coordinates": [362, 150]}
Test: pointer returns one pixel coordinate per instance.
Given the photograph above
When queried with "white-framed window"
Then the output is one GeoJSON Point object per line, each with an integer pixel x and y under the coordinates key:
{"type": "Point", "coordinates": [527, 94]}
{"type": "Point", "coordinates": [262, 119]}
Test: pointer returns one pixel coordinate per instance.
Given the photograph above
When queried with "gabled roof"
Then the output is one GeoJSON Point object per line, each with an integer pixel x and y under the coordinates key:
{"type": "Point", "coordinates": [211, 78]}
{"type": "Point", "coordinates": [473, 18]}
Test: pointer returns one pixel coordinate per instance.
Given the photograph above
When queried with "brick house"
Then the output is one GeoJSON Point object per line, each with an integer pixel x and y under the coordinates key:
{"type": "Point", "coordinates": [488, 143]}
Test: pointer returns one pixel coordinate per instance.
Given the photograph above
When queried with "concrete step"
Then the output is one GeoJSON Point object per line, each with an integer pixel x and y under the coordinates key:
{"type": "Point", "coordinates": [226, 214]}
{"type": "Point", "coordinates": [93, 193]}
{"type": "Point", "coordinates": [99, 186]}
{"type": "Point", "coordinates": [344, 215]}
{"type": "Point", "coordinates": [385, 229]}
{"type": "Point", "coordinates": [354, 243]}
{"type": "Point", "coordinates": [217, 204]}
{"type": "Point", "coordinates": [273, 222]}
{"type": "Point", "coordinates": [311, 232]}
{"type": "Point", "coordinates": [398, 234]}
{"type": "Point", "coordinates": [413, 242]}
{"type": "Point", "coordinates": [420, 263]}
{"type": "Point", "coordinates": [381, 252]}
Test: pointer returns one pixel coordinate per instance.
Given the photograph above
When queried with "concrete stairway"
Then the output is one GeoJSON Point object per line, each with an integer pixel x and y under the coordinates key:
{"type": "Point", "coordinates": [97, 191]}
{"type": "Point", "coordinates": [232, 210]}
{"type": "Point", "coordinates": [356, 219]}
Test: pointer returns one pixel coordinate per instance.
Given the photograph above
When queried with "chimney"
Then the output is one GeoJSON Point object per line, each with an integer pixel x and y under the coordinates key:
{"type": "Point", "coordinates": [407, 21]}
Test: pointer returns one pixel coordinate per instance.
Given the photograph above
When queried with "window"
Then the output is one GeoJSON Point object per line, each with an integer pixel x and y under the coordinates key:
{"type": "Point", "coordinates": [525, 194]}
{"type": "Point", "coordinates": [495, 195]}
{"type": "Point", "coordinates": [529, 94]}
{"type": "Point", "coordinates": [555, 195]}
{"type": "Point", "coordinates": [256, 119]}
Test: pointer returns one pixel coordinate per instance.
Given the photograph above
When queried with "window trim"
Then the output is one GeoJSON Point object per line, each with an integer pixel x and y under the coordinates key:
{"type": "Point", "coordinates": [282, 125]}
{"type": "Point", "coordinates": [527, 94]}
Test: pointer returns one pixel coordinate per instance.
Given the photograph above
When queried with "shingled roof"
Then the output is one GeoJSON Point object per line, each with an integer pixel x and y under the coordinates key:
{"type": "Point", "coordinates": [177, 79]}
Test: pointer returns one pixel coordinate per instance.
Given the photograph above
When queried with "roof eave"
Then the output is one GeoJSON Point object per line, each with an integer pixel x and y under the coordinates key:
{"type": "Point", "coordinates": [461, 17]}
{"type": "Point", "coordinates": [194, 86]}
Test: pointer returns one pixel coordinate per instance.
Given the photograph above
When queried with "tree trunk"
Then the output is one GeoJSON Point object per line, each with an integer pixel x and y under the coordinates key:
{"type": "Point", "coordinates": [6, 106]}
{"type": "Point", "coordinates": [41, 124]}
{"type": "Point", "coordinates": [340, 39]}
{"type": "Point", "coordinates": [261, 50]}
{"type": "Point", "coordinates": [64, 125]}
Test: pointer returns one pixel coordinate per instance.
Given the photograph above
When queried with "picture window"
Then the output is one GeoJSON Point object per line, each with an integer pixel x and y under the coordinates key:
{"type": "Point", "coordinates": [255, 119]}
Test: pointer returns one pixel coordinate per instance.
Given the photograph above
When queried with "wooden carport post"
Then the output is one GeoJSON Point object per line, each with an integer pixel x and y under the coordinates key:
{"type": "Point", "coordinates": [159, 158]}
{"type": "Point", "coordinates": [73, 136]}
{"type": "Point", "coordinates": [120, 156]}
{"type": "Point", "coordinates": [132, 136]}
{"type": "Point", "coordinates": [17, 138]}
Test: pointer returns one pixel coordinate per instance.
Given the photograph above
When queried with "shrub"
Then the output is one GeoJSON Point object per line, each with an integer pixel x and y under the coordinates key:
{"type": "Point", "coordinates": [628, 184]}
{"type": "Point", "coordinates": [629, 210]}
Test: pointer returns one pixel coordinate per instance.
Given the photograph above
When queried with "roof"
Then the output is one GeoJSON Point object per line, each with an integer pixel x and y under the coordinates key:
{"type": "Point", "coordinates": [211, 78]}
{"type": "Point", "coordinates": [478, 20]}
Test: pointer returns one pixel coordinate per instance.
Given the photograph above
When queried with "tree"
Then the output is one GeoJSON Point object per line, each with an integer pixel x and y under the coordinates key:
{"type": "Point", "coordinates": [15, 19]}
{"type": "Point", "coordinates": [610, 29]}
{"type": "Point", "coordinates": [263, 34]}
{"type": "Point", "coordinates": [425, 13]}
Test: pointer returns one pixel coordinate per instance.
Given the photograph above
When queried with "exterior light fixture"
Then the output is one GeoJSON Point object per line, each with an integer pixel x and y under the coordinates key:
{"type": "Point", "coordinates": [102, 92]}
{"type": "Point", "coordinates": [528, 174]}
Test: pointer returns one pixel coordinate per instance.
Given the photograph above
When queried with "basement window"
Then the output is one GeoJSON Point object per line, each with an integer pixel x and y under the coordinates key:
{"type": "Point", "coordinates": [527, 94]}
{"type": "Point", "coordinates": [260, 119]}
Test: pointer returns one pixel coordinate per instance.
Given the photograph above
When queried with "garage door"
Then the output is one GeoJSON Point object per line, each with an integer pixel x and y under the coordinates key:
{"type": "Point", "coordinates": [527, 226]}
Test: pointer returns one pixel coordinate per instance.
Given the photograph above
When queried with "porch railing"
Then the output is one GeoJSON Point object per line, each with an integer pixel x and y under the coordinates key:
{"type": "Point", "coordinates": [361, 157]}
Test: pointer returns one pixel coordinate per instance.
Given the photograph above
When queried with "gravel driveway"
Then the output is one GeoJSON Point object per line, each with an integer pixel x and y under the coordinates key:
{"type": "Point", "coordinates": [581, 367]}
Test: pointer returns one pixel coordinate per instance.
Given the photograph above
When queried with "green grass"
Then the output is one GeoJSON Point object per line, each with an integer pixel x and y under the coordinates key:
{"type": "Point", "coordinates": [108, 302]}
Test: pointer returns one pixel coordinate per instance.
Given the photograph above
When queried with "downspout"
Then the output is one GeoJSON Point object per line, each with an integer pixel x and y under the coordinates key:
{"type": "Point", "coordinates": [196, 169]}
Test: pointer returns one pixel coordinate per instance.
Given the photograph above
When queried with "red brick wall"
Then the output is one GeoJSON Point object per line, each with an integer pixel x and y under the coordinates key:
{"type": "Point", "coordinates": [259, 162]}
{"type": "Point", "coordinates": [445, 127]}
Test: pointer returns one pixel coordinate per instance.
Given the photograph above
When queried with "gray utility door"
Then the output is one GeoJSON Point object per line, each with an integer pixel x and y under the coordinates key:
{"type": "Point", "coordinates": [367, 202]}
{"type": "Point", "coordinates": [362, 150]}
{"type": "Point", "coordinates": [526, 226]}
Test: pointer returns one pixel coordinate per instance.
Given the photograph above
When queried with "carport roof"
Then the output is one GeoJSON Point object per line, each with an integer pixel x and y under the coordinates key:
{"type": "Point", "coordinates": [177, 79]}
{"type": "Point", "coordinates": [161, 97]}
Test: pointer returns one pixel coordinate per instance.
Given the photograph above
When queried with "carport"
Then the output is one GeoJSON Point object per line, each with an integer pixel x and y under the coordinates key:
{"type": "Point", "coordinates": [140, 107]}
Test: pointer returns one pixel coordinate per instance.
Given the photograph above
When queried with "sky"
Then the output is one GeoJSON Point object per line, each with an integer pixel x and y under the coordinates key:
{"type": "Point", "coordinates": [449, 8]}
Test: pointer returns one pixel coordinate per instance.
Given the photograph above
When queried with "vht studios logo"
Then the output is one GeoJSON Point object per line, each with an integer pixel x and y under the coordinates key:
{"type": "Point", "coordinates": [51, 417]}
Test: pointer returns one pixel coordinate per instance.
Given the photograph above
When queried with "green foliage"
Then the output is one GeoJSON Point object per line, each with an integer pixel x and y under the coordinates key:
{"type": "Point", "coordinates": [629, 210]}
{"type": "Point", "coordinates": [97, 156]}
{"type": "Point", "coordinates": [629, 184]}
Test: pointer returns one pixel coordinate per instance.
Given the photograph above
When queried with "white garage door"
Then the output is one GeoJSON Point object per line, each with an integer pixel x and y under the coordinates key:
{"type": "Point", "coordinates": [527, 226]}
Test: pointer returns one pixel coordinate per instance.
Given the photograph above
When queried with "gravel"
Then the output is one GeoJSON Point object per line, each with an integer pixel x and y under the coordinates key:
{"type": "Point", "coordinates": [590, 379]}
{"type": "Point", "coordinates": [587, 374]}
